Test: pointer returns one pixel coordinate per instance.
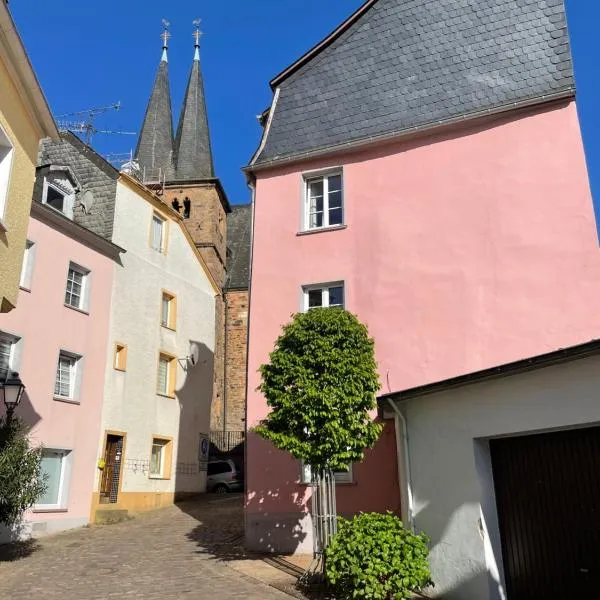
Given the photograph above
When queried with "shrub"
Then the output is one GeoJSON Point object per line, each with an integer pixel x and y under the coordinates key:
{"type": "Point", "coordinates": [373, 556]}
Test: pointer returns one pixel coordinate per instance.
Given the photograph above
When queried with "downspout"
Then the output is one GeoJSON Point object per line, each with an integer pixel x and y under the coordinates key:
{"type": "Point", "coordinates": [224, 365]}
{"type": "Point", "coordinates": [403, 460]}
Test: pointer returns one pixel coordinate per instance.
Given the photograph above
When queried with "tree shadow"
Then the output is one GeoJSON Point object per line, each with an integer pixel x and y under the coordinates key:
{"type": "Point", "coordinates": [17, 550]}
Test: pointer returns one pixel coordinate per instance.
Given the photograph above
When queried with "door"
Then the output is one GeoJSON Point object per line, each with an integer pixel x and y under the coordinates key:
{"type": "Point", "coordinates": [548, 499]}
{"type": "Point", "coordinates": [111, 474]}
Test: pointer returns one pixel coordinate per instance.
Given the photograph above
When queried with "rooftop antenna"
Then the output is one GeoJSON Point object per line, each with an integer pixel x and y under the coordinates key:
{"type": "Point", "coordinates": [86, 124]}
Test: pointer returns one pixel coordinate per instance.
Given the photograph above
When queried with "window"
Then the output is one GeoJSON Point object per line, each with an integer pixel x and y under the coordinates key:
{"type": "Point", "coordinates": [67, 372]}
{"type": "Point", "coordinates": [323, 296]}
{"type": "Point", "coordinates": [27, 268]}
{"type": "Point", "coordinates": [76, 294]}
{"type": "Point", "coordinates": [6, 155]}
{"type": "Point", "coordinates": [166, 375]}
{"type": "Point", "coordinates": [341, 476]}
{"type": "Point", "coordinates": [160, 458]}
{"type": "Point", "coordinates": [157, 234]}
{"type": "Point", "coordinates": [55, 199]}
{"type": "Point", "coordinates": [56, 467]}
{"type": "Point", "coordinates": [219, 467]}
{"type": "Point", "coordinates": [8, 354]}
{"type": "Point", "coordinates": [168, 316]}
{"type": "Point", "coordinates": [120, 361]}
{"type": "Point", "coordinates": [323, 203]}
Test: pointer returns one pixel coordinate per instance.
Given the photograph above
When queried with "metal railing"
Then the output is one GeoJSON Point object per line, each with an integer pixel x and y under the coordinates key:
{"type": "Point", "coordinates": [227, 442]}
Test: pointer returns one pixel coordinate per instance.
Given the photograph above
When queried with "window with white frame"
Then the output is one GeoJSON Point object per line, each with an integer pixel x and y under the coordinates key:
{"type": "Point", "coordinates": [27, 267]}
{"type": "Point", "coordinates": [77, 292]}
{"type": "Point", "coordinates": [157, 234]}
{"type": "Point", "coordinates": [6, 156]}
{"type": "Point", "coordinates": [56, 467]}
{"type": "Point", "coordinates": [341, 476]}
{"type": "Point", "coordinates": [159, 457]}
{"type": "Point", "coordinates": [8, 354]}
{"type": "Point", "coordinates": [322, 296]}
{"type": "Point", "coordinates": [165, 381]}
{"type": "Point", "coordinates": [323, 201]}
{"type": "Point", "coordinates": [67, 376]}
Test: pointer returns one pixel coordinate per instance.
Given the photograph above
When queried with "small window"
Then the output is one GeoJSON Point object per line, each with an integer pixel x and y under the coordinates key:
{"type": "Point", "coordinates": [166, 375]}
{"type": "Point", "coordinates": [55, 199]}
{"type": "Point", "coordinates": [56, 470]}
{"type": "Point", "coordinates": [324, 201]}
{"type": "Point", "coordinates": [67, 374]}
{"type": "Point", "coordinates": [341, 476]}
{"type": "Point", "coordinates": [160, 458]}
{"type": "Point", "coordinates": [27, 267]}
{"type": "Point", "coordinates": [8, 351]}
{"type": "Point", "coordinates": [76, 294]}
{"type": "Point", "coordinates": [157, 235]}
{"type": "Point", "coordinates": [120, 362]}
{"type": "Point", "coordinates": [168, 316]}
{"type": "Point", "coordinates": [324, 296]}
{"type": "Point", "coordinates": [6, 156]}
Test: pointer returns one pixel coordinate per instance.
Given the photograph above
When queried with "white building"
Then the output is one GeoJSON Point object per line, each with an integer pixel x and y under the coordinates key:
{"type": "Point", "coordinates": [159, 376]}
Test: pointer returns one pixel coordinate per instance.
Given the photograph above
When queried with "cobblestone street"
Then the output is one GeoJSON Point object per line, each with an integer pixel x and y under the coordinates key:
{"type": "Point", "coordinates": [172, 553]}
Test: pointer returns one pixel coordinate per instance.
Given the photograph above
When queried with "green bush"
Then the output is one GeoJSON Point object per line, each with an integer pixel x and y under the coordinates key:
{"type": "Point", "coordinates": [374, 557]}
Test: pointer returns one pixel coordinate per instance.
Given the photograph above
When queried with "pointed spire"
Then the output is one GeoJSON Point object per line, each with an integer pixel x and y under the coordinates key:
{"type": "Point", "coordinates": [154, 151]}
{"type": "Point", "coordinates": [192, 144]}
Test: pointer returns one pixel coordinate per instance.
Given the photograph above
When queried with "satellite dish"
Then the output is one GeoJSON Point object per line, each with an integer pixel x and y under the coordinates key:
{"type": "Point", "coordinates": [87, 201]}
{"type": "Point", "coordinates": [194, 355]}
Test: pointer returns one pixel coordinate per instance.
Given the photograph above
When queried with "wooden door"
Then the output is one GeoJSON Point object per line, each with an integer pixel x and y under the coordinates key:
{"type": "Point", "coordinates": [111, 474]}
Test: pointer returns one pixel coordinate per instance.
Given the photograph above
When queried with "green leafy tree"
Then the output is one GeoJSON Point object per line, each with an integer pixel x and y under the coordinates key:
{"type": "Point", "coordinates": [320, 384]}
{"type": "Point", "coordinates": [21, 478]}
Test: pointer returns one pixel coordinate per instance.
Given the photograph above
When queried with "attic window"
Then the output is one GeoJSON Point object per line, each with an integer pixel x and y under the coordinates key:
{"type": "Point", "coordinates": [55, 199]}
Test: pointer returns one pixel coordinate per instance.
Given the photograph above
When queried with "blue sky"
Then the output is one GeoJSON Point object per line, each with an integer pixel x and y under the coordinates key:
{"type": "Point", "coordinates": [89, 54]}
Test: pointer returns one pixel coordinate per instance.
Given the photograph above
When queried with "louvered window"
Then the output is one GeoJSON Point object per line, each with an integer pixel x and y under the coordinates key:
{"type": "Point", "coordinates": [158, 227]}
{"type": "Point", "coordinates": [163, 374]}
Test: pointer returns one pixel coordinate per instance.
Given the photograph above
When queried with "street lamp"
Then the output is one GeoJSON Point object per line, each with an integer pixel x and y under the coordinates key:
{"type": "Point", "coordinates": [12, 392]}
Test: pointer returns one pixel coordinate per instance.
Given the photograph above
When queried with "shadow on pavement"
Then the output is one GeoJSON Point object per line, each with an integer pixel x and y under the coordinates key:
{"type": "Point", "coordinates": [17, 550]}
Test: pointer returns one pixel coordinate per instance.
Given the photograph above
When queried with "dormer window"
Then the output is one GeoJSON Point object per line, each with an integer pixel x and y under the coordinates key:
{"type": "Point", "coordinates": [55, 199]}
{"type": "Point", "coordinates": [59, 188]}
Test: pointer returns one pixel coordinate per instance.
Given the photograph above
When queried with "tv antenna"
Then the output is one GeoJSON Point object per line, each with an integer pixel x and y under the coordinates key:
{"type": "Point", "coordinates": [85, 125]}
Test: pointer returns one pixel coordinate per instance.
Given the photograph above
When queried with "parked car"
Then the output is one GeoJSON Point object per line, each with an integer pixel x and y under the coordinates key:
{"type": "Point", "coordinates": [224, 476]}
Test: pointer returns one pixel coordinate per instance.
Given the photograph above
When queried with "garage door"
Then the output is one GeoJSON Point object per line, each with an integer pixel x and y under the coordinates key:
{"type": "Point", "coordinates": [548, 498]}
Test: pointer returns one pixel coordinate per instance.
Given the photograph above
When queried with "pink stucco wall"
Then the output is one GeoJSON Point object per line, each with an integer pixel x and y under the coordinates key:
{"type": "Point", "coordinates": [463, 250]}
{"type": "Point", "coordinates": [47, 326]}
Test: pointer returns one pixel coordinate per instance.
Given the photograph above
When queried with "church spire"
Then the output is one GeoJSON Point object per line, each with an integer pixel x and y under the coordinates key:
{"type": "Point", "coordinates": [192, 143]}
{"type": "Point", "coordinates": [154, 151]}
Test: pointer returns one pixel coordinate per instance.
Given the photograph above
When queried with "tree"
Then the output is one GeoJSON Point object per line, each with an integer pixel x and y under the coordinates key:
{"type": "Point", "coordinates": [21, 478]}
{"type": "Point", "coordinates": [320, 384]}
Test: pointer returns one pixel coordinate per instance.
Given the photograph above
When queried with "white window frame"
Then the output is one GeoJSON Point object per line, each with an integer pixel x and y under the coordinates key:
{"type": "Point", "coordinates": [27, 266]}
{"type": "Point", "coordinates": [85, 287]}
{"type": "Point", "coordinates": [68, 198]}
{"type": "Point", "coordinates": [169, 383]}
{"type": "Point", "coordinates": [163, 447]}
{"type": "Point", "coordinates": [6, 160]}
{"type": "Point", "coordinates": [340, 477]}
{"type": "Point", "coordinates": [74, 376]}
{"type": "Point", "coordinates": [64, 484]}
{"type": "Point", "coordinates": [324, 287]}
{"type": "Point", "coordinates": [14, 357]}
{"type": "Point", "coordinates": [309, 178]}
{"type": "Point", "coordinates": [163, 228]}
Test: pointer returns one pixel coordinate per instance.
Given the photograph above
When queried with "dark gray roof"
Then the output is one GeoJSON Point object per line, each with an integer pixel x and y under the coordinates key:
{"type": "Point", "coordinates": [192, 143]}
{"type": "Point", "coordinates": [154, 151]}
{"type": "Point", "coordinates": [239, 222]}
{"type": "Point", "coordinates": [93, 173]}
{"type": "Point", "coordinates": [403, 64]}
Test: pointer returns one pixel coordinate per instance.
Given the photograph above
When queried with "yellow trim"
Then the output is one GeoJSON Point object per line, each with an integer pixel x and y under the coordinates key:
{"type": "Point", "coordinates": [172, 316]}
{"type": "Point", "coordinates": [168, 457]}
{"type": "Point", "coordinates": [171, 375]}
{"type": "Point", "coordinates": [170, 214]}
{"type": "Point", "coordinates": [133, 501]}
{"type": "Point", "coordinates": [120, 357]}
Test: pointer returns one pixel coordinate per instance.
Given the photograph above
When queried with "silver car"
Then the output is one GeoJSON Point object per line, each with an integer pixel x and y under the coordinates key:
{"type": "Point", "coordinates": [224, 476]}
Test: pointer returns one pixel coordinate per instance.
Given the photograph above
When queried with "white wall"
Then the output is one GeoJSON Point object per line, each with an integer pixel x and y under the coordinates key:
{"type": "Point", "coordinates": [131, 402]}
{"type": "Point", "coordinates": [451, 469]}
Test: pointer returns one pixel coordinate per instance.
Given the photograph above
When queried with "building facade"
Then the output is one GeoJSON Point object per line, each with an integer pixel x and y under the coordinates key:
{"type": "Point", "coordinates": [436, 187]}
{"type": "Point", "coordinates": [24, 119]}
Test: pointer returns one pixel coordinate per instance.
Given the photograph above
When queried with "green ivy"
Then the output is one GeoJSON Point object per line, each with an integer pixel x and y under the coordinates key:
{"type": "Point", "coordinates": [373, 557]}
{"type": "Point", "coordinates": [320, 385]}
{"type": "Point", "coordinates": [21, 478]}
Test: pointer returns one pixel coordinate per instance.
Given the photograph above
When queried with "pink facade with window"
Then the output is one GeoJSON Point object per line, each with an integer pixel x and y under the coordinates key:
{"type": "Point", "coordinates": [57, 339]}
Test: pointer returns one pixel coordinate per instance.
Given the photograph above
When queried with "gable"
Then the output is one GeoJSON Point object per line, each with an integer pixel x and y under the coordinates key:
{"type": "Point", "coordinates": [406, 64]}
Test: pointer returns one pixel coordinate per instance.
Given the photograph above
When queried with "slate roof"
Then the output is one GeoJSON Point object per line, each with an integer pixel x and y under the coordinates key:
{"type": "Point", "coordinates": [93, 173]}
{"type": "Point", "coordinates": [239, 222]}
{"type": "Point", "coordinates": [192, 143]}
{"type": "Point", "coordinates": [404, 64]}
{"type": "Point", "coordinates": [154, 151]}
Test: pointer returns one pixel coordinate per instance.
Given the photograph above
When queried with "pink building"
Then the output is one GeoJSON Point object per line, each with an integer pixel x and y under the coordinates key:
{"type": "Point", "coordinates": [423, 167]}
{"type": "Point", "coordinates": [57, 340]}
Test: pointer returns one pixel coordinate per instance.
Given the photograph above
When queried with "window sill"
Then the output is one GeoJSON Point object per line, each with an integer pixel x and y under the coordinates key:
{"type": "Point", "coordinates": [79, 310]}
{"type": "Point", "coordinates": [159, 477]}
{"type": "Point", "coordinates": [170, 396]}
{"type": "Point", "coordinates": [25, 289]}
{"type": "Point", "coordinates": [120, 370]}
{"type": "Point", "coordinates": [321, 230]}
{"type": "Point", "coordinates": [49, 510]}
{"type": "Point", "coordinates": [66, 400]}
{"type": "Point", "coordinates": [167, 327]}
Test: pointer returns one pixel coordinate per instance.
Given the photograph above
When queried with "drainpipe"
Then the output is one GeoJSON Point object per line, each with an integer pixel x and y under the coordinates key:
{"type": "Point", "coordinates": [224, 365]}
{"type": "Point", "coordinates": [403, 459]}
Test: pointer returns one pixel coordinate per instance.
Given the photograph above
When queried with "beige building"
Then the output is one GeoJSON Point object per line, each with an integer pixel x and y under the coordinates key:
{"type": "Point", "coordinates": [24, 120]}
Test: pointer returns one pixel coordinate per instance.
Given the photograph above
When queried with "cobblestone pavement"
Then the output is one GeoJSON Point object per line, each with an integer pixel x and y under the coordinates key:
{"type": "Point", "coordinates": [173, 553]}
